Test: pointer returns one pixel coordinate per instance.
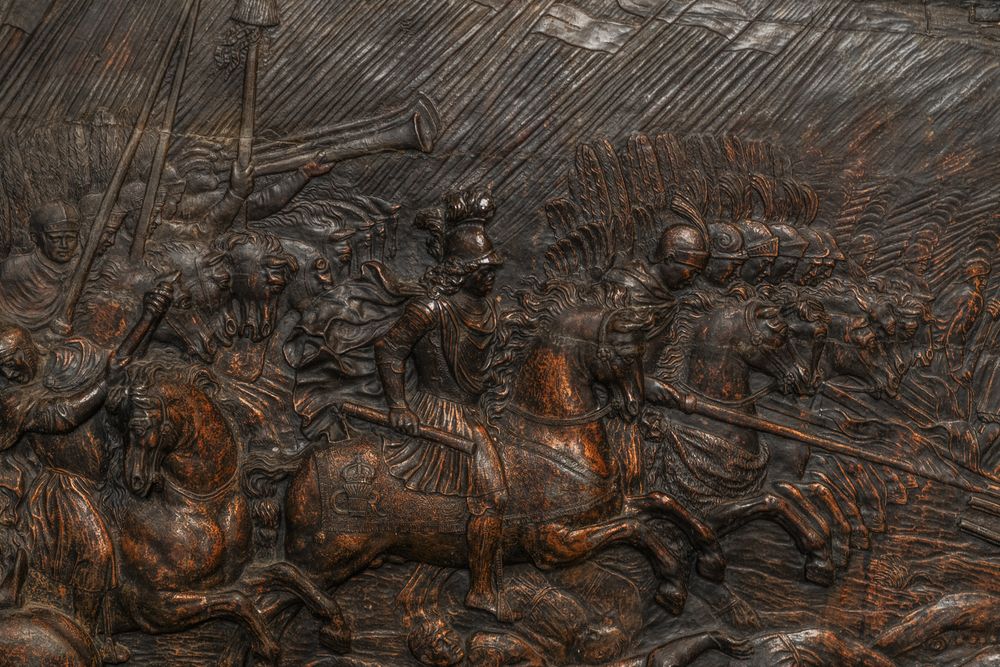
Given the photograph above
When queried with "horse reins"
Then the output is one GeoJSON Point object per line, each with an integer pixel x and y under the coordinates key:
{"type": "Point", "coordinates": [575, 420]}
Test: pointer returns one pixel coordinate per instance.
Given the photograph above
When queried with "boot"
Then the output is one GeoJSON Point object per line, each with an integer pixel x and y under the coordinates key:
{"type": "Point", "coordinates": [484, 535]}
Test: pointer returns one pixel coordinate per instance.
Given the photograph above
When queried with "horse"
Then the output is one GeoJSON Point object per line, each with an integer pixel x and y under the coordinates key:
{"type": "Point", "coordinates": [40, 635]}
{"type": "Point", "coordinates": [184, 518]}
{"type": "Point", "coordinates": [862, 338]}
{"type": "Point", "coordinates": [346, 512]}
{"type": "Point", "coordinates": [720, 469]}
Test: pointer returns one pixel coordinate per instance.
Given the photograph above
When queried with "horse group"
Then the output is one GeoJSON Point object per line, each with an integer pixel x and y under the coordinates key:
{"type": "Point", "coordinates": [182, 497]}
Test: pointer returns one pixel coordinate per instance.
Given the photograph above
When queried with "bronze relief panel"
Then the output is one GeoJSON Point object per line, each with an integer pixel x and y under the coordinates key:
{"type": "Point", "coordinates": [596, 332]}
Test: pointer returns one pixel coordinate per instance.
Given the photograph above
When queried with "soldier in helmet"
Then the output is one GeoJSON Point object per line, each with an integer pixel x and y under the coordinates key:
{"type": "Point", "coordinates": [761, 247]}
{"type": "Point", "coordinates": [791, 247]}
{"type": "Point", "coordinates": [449, 332]}
{"type": "Point", "coordinates": [727, 255]}
{"type": "Point", "coordinates": [32, 283]}
{"type": "Point", "coordinates": [680, 255]}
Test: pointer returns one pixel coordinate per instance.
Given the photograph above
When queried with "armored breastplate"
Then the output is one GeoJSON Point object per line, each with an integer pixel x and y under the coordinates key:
{"type": "Point", "coordinates": [452, 360]}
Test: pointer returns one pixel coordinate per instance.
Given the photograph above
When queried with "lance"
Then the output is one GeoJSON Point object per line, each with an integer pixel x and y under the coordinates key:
{"type": "Point", "coordinates": [163, 145]}
{"type": "Point", "coordinates": [256, 15]}
{"type": "Point", "coordinates": [63, 324]}
{"type": "Point", "coordinates": [700, 406]}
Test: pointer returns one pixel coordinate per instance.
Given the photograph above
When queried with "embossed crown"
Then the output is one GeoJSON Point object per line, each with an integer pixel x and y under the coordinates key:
{"type": "Point", "coordinates": [358, 477]}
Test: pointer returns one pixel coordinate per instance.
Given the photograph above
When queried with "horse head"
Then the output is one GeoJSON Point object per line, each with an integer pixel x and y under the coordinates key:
{"type": "Point", "coordinates": [259, 269]}
{"type": "Point", "coordinates": [148, 434]}
{"type": "Point", "coordinates": [761, 334]}
{"type": "Point", "coordinates": [862, 332]}
{"type": "Point", "coordinates": [573, 341]}
{"type": "Point", "coordinates": [156, 416]}
{"type": "Point", "coordinates": [620, 350]}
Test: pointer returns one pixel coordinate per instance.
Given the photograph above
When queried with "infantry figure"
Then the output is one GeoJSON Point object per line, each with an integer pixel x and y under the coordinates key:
{"type": "Point", "coordinates": [50, 394]}
{"type": "Point", "coordinates": [32, 284]}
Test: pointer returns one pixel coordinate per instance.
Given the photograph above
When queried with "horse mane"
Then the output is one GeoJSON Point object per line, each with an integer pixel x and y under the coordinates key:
{"type": "Point", "coordinates": [692, 308]}
{"type": "Point", "coordinates": [542, 304]}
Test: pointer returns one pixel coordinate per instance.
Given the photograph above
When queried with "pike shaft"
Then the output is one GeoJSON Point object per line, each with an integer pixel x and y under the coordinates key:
{"type": "Point", "coordinates": [736, 418]}
{"type": "Point", "coordinates": [75, 289]}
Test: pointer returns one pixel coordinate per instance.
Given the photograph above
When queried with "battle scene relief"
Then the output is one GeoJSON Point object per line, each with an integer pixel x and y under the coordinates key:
{"type": "Point", "coordinates": [636, 333]}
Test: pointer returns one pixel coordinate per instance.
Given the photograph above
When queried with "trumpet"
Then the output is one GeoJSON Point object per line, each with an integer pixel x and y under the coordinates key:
{"type": "Point", "coordinates": [413, 127]}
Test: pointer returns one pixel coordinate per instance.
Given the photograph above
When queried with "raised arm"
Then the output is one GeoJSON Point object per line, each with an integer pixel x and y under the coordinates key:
{"type": "Point", "coordinates": [276, 196]}
{"type": "Point", "coordinates": [220, 217]}
{"type": "Point", "coordinates": [60, 413]}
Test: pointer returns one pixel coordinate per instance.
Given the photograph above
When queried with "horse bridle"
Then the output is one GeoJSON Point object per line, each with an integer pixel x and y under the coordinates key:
{"type": "Point", "coordinates": [168, 479]}
{"type": "Point", "coordinates": [604, 354]}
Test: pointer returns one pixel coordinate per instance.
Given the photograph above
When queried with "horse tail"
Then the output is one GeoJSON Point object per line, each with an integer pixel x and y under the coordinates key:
{"type": "Point", "coordinates": [261, 474]}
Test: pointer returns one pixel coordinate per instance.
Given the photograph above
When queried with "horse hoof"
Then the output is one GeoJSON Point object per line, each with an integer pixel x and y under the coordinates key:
{"type": "Point", "coordinates": [336, 637]}
{"type": "Point", "coordinates": [820, 571]}
{"type": "Point", "coordinates": [113, 653]}
{"type": "Point", "coordinates": [712, 566]}
{"type": "Point", "coordinates": [672, 598]}
{"type": "Point", "coordinates": [268, 650]}
{"type": "Point", "coordinates": [738, 614]}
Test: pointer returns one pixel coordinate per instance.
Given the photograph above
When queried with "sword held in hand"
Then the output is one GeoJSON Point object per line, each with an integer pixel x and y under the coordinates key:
{"type": "Point", "coordinates": [381, 418]}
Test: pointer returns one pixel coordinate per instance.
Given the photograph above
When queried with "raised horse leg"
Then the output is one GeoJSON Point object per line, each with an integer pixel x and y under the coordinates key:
{"type": "Point", "coordinates": [556, 544]}
{"type": "Point", "coordinates": [806, 496]}
{"type": "Point", "coordinates": [819, 567]}
{"type": "Point", "coordinates": [160, 612]}
{"type": "Point", "coordinates": [711, 562]}
{"type": "Point", "coordinates": [285, 577]}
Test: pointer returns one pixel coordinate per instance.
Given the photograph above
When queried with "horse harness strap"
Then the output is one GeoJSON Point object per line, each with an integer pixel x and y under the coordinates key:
{"type": "Point", "coordinates": [576, 420]}
{"type": "Point", "coordinates": [202, 497]}
{"type": "Point", "coordinates": [554, 456]}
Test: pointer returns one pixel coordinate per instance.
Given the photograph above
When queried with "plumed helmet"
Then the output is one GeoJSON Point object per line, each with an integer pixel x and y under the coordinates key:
{"type": "Point", "coordinates": [835, 252]}
{"type": "Point", "coordinates": [725, 241]}
{"type": "Point", "coordinates": [466, 215]}
{"type": "Point", "coordinates": [790, 241]}
{"type": "Point", "coordinates": [818, 247]}
{"type": "Point", "coordinates": [684, 244]}
{"type": "Point", "coordinates": [758, 239]}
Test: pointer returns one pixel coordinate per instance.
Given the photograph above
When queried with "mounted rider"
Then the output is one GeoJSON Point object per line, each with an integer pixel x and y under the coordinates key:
{"type": "Point", "coordinates": [51, 393]}
{"type": "Point", "coordinates": [449, 332]}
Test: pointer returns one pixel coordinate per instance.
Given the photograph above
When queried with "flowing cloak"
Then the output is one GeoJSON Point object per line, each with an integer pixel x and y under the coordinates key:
{"type": "Point", "coordinates": [645, 290]}
{"type": "Point", "coordinates": [32, 287]}
{"type": "Point", "coordinates": [70, 539]}
{"type": "Point", "coordinates": [331, 348]}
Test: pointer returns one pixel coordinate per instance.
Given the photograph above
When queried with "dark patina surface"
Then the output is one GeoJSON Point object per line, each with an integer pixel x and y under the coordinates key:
{"type": "Point", "coordinates": [475, 332]}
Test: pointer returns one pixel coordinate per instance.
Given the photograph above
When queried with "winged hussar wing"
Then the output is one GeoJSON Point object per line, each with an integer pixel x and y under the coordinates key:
{"type": "Point", "coordinates": [615, 196]}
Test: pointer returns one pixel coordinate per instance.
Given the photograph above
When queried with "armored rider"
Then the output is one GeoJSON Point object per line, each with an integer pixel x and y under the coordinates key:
{"type": "Point", "coordinates": [449, 333]}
